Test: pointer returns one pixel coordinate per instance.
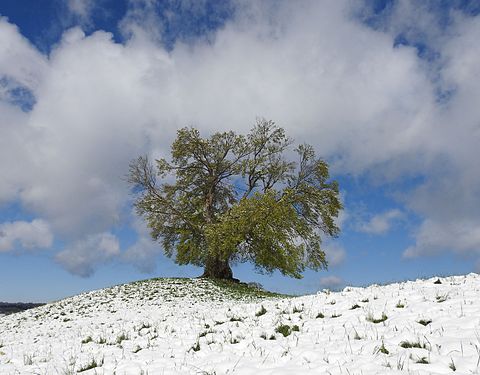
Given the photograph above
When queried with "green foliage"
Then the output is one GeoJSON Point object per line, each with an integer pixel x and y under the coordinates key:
{"type": "Point", "coordinates": [235, 198]}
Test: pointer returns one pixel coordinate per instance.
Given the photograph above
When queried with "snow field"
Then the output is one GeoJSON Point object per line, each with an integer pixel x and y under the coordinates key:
{"type": "Point", "coordinates": [194, 326]}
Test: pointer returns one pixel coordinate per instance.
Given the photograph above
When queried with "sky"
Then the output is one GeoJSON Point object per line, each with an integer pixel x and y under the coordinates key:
{"type": "Point", "coordinates": [386, 91]}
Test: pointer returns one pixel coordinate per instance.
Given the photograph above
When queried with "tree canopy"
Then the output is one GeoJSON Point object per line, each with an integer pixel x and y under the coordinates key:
{"type": "Point", "coordinates": [235, 198]}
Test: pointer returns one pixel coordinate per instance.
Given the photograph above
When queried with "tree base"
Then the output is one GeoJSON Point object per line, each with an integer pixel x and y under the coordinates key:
{"type": "Point", "coordinates": [218, 269]}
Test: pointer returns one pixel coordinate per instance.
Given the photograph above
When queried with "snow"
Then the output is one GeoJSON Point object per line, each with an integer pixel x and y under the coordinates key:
{"type": "Point", "coordinates": [190, 326]}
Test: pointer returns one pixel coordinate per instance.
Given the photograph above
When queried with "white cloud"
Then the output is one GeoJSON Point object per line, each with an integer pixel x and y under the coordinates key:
{"type": "Point", "coordinates": [335, 254]}
{"type": "Point", "coordinates": [144, 253]}
{"type": "Point", "coordinates": [141, 21]}
{"type": "Point", "coordinates": [434, 237]}
{"type": "Point", "coordinates": [26, 235]}
{"type": "Point", "coordinates": [82, 10]}
{"type": "Point", "coordinates": [331, 282]}
{"type": "Point", "coordinates": [84, 256]}
{"type": "Point", "coordinates": [380, 223]}
{"type": "Point", "coordinates": [311, 66]}
{"type": "Point", "coordinates": [18, 58]}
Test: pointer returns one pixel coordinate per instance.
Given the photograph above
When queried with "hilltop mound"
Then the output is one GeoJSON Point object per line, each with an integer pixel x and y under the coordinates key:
{"type": "Point", "coordinates": [171, 326]}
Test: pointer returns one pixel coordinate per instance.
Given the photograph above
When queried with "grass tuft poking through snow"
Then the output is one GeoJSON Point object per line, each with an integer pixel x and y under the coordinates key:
{"type": "Point", "coordinates": [372, 319]}
{"type": "Point", "coordinates": [412, 344]}
{"type": "Point", "coordinates": [261, 312]}
{"type": "Point", "coordinates": [197, 326]}
{"type": "Point", "coordinates": [424, 322]}
{"type": "Point", "coordinates": [91, 365]}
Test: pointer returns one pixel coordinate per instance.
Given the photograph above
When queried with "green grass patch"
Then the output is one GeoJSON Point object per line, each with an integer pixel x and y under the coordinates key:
{"type": "Point", "coordinates": [383, 349]}
{"type": "Point", "coordinates": [87, 339]}
{"type": "Point", "coordinates": [297, 309]}
{"type": "Point", "coordinates": [422, 360]}
{"type": "Point", "coordinates": [411, 344]}
{"type": "Point", "coordinates": [284, 329]}
{"type": "Point", "coordinates": [372, 319]}
{"type": "Point", "coordinates": [91, 365]}
{"type": "Point", "coordinates": [121, 338]}
{"type": "Point", "coordinates": [424, 322]}
{"type": "Point", "coordinates": [236, 290]}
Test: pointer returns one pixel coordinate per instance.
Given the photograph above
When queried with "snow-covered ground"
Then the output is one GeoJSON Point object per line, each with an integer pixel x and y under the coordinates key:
{"type": "Point", "coordinates": [175, 326]}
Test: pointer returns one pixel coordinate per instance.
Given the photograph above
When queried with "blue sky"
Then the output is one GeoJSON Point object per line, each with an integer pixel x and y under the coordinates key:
{"type": "Point", "coordinates": [386, 91]}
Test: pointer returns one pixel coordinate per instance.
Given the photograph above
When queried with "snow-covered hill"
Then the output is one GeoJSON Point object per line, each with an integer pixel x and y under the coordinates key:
{"type": "Point", "coordinates": [193, 326]}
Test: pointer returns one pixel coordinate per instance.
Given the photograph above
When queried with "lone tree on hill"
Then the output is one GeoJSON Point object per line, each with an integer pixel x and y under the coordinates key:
{"type": "Point", "coordinates": [234, 198]}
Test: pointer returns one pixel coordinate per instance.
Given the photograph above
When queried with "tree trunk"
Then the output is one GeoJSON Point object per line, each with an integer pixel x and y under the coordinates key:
{"type": "Point", "coordinates": [216, 268]}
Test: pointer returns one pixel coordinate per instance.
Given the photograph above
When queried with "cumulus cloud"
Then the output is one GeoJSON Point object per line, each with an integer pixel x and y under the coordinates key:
{"type": "Point", "coordinates": [84, 256]}
{"type": "Point", "coordinates": [80, 8]}
{"type": "Point", "coordinates": [18, 58]}
{"type": "Point", "coordinates": [380, 223]}
{"type": "Point", "coordinates": [435, 237]}
{"type": "Point", "coordinates": [335, 254]}
{"type": "Point", "coordinates": [314, 67]}
{"type": "Point", "coordinates": [144, 253]}
{"type": "Point", "coordinates": [331, 282]}
{"type": "Point", "coordinates": [449, 198]}
{"type": "Point", "coordinates": [32, 235]}
{"type": "Point", "coordinates": [82, 12]}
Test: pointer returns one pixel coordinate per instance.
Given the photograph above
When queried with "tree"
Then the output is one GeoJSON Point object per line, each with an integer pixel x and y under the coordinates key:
{"type": "Point", "coordinates": [234, 198]}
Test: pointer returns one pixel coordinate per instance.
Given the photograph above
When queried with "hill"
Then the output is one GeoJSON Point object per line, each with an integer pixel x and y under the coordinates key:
{"type": "Point", "coordinates": [195, 326]}
{"type": "Point", "coordinates": [7, 308]}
